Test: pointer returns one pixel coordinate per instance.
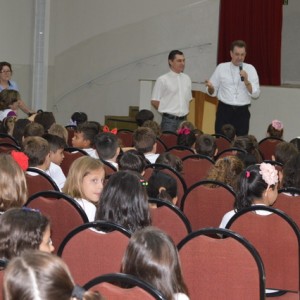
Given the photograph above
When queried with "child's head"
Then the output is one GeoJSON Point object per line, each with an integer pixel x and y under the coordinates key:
{"type": "Point", "coordinates": [257, 184]}
{"type": "Point", "coordinates": [144, 140]}
{"type": "Point", "coordinates": [84, 135]}
{"type": "Point", "coordinates": [33, 129]}
{"type": "Point", "coordinates": [229, 131]}
{"type": "Point", "coordinates": [85, 179]}
{"type": "Point", "coordinates": [162, 186]}
{"type": "Point", "coordinates": [152, 256]}
{"type": "Point", "coordinates": [296, 143]}
{"type": "Point", "coordinates": [45, 118]}
{"type": "Point", "coordinates": [124, 201]}
{"type": "Point", "coordinates": [186, 137]}
{"type": "Point", "coordinates": [132, 160]}
{"type": "Point", "coordinates": [291, 172]}
{"type": "Point", "coordinates": [38, 151]}
{"type": "Point", "coordinates": [284, 151]}
{"type": "Point", "coordinates": [59, 130]}
{"type": "Point", "coordinates": [154, 126]}
{"type": "Point", "coordinates": [226, 169]}
{"type": "Point", "coordinates": [144, 115]}
{"type": "Point", "coordinates": [206, 145]}
{"type": "Point", "coordinates": [36, 275]}
{"type": "Point", "coordinates": [23, 229]}
{"type": "Point", "coordinates": [7, 125]}
{"type": "Point", "coordinates": [275, 129]}
{"type": "Point", "coordinates": [19, 128]}
{"type": "Point", "coordinates": [186, 124]}
{"type": "Point", "coordinates": [57, 145]}
{"type": "Point", "coordinates": [78, 118]}
{"type": "Point", "coordinates": [9, 99]}
{"type": "Point", "coordinates": [13, 185]}
{"type": "Point", "coordinates": [107, 145]}
{"type": "Point", "coordinates": [169, 159]}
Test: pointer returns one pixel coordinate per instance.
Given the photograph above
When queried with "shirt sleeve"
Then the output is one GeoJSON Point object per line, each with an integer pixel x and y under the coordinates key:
{"type": "Point", "coordinates": [215, 80]}
{"type": "Point", "coordinates": [253, 78]}
{"type": "Point", "coordinates": [157, 90]}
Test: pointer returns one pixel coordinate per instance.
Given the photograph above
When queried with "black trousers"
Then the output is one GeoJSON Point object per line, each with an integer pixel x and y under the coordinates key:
{"type": "Point", "coordinates": [237, 116]}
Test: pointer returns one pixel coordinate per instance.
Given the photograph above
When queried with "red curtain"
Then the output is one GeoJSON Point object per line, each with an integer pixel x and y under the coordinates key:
{"type": "Point", "coordinates": [259, 24]}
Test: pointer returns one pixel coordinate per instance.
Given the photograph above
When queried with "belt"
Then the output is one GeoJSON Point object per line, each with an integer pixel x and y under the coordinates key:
{"type": "Point", "coordinates": [173, 117]}
{"type": "Point", "coordinates": [234, 107]}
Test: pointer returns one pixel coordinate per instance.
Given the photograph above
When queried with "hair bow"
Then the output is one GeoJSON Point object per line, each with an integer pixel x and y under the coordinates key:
{"type": "Point", "coordinates": [185, 131]}
{"type": "Point", "coordinates": [21, 159]}
{"type": "Point", "coordinates": [106, 129]}
{"type": "Point", "coordinates": [277, 124]}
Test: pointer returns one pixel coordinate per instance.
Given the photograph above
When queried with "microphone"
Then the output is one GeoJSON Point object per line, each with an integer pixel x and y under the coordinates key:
{"type": "Point", "coordinates": [241, 68]}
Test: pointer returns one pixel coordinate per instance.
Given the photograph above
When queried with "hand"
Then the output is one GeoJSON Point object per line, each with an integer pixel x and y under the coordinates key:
{"type": "Point", "coordinates": [209, 86]}
{"type": "Point", "coordinates": [244, 74]}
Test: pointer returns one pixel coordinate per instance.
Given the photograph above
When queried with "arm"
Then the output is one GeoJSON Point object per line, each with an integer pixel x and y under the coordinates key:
{"type": "Point", "coordinates": [155, 104]}
{"type": "Point", "coordinates": [251, 81]}
{"type": "Point", "coordinates": [212, 85]}
{"type": "Point", "coordinates": [24, 108]}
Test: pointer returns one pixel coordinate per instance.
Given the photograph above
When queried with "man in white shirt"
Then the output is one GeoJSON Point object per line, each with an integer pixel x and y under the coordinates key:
{"type": "Point", "coordinates": [172, 93]}
{"type": "Point", "coordinates": [235, 83]}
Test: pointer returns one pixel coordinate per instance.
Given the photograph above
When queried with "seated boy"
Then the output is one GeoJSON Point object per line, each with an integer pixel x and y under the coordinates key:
{"type": "Point", "coordinates": [107, 147]}
{"type": "Point", "coordinates": [38, 151]}
{"type": "Point", "coordinates": [84, 138]}
{"type": "Point", "coordinates": [206, 145]}
{"type": "Point", "coordinates": [144, 141]}
{"type": "Point", "coordinates": [57, 145]}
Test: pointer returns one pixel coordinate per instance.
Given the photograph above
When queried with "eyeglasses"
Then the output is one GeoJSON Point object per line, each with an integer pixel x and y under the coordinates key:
{"type": "Point", "coordinates": [6, 72]}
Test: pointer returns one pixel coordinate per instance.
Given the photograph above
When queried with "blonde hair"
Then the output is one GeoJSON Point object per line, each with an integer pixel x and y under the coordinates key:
{"type": "Point", "coordinates": [81, 167]}
{"type": "Point", "coordinates": [59, 130]}
{"type": "Point", "coordinates": [13, 187]}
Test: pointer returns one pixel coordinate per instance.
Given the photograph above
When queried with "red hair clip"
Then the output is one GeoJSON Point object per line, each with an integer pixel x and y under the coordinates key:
{"type": "Point", "coordinates": [21, 159]}
{"type": "Point", "coordinates": [106, 129]}
{"type": "Point", "coordinates": [247, 174]}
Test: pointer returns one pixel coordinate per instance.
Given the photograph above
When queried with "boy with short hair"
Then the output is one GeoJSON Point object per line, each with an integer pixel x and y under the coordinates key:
{"type": "Point", "coordinates": [206, 145]}
{"type": "Point", "coordinates": [84, 138]}
{"type": "Point", "coordinates": [144, 141]}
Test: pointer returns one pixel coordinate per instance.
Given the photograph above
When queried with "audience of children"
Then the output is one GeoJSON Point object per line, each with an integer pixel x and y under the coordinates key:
{"type": "Point", "coordinates": [124, 201]}
{"type": "Point", "coordinates": [36, 275]}
{"type": "Point", "coordinates": [257, 185]}
{"type": "Point", "coordinates": [23, 229]}
{"type": "Point", "coordinates": [9, 103]}
{"type": "Point", "coordinates": [226, 170]}
{"type": "Point", "coordinates": [171, 160]}
{"type": "Point", "coordinates": [144, 115]}
{"type": "Point", "coordinates": [152, 256]}
{"type": "Point", "coordinates": [107, 147]}
{"type": "Point", "coordinates": [33, 129]}
{"type": "Point", "coordinates": [132, 160]}
{"type": "Point", "coordinates": [186, 137]}
{"type": "Point", "coordinates": [275, 129]}
{"type": "Point", "coordinates": [228, 130]}
{"type": "Point", "coordinates": [13, 184]}
{"type": "Point", "coordinates": [144, 141]}
{"type": "Point", "coordinates": [77, 118]}
{"type": "Point", "coordinates": [45, 118]}
{"type": "Point", "coordinates": [59, 130]}
{"type": "Point", "coordinates": [206, 145]}
{"type": "Point", "coordinates": [162, 186]}
{"type": "Point", "coordinates": [84, 136]}
{"type": "Point", "coordinates": [85, 183]}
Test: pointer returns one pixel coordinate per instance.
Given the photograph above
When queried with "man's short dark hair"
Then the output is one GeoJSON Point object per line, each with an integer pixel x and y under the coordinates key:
{"type": "Point", "coordinates": [239, 44]}
{"type": "Point", "coordinates": [173, 53]}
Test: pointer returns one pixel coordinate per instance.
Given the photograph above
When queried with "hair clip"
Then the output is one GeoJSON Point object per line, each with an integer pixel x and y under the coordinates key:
{"type": "Point", "coordinates": [276, 124]}
{"type": "Point", "coordinates": [106, 129]}
{"type": "Point", "coordinates": [184, 130]}
{"type": "Point", "coordinates": [20, 158]}
{"type": "Point", "coordinates": [248, 174]}
{"type": "Point", "coordinates": [78, 292]}
{"type": "Point", "coordinates": [25, 208]}
{"type": "Point", "coordinates": [143, 182]}
{"type": "Point", "coordinates": [269, 173]}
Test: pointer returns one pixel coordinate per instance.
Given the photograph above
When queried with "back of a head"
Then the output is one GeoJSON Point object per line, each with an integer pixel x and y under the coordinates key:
{"type": "Point", "coordinates": [144, 115]}
{"type": "Point", "coordinates": [33, 129]}
{"type": "Point", "coordinates": [291, 172]}
{"type": "Point", "coordinates": [154, 126]}
{"type": "Point", "coordinates": [106, 144]}
{"type": "Point", "coordinates": [186, 137]}
{"type": "Point", "coordinates": [55, 142]}
{"type": "Point", "coordinates": [37, 149]}
{"type": "Point", "coordinates": [229, 131]}
{"type": "Point", "coordinates": [206, 145]}
{"type": "Point", "coordinates": [152, 256]}
{"type": "Point", "coordinates": [8, 97]}
{"type": "Point", "coordinates": [19, 128]}
{"type": "Point", "coordinates": [284, 151]}
{"type": "Point", "coordinates": [144, 139]}
{"type": "Point", "coordinates": [79, 118]}
{"type": "Point", "coordinates": [21, 229]}
{"type": "Point", "coordinates": [275, 129]}
{"type": "Point", "coordinates": [41, 276]}
{"type": "Point", "coordinates": [132, 160]}
{"type": "Point", "coordinates": [124, 201]}
{"type": "Point", "coordinates": [59, 130]}
{"type": "Point", "coordinates": [162, 186]}
{"type": "Point", "coordinates": [45, 118]}
{"type": "Point", "coordinates": [249, 144]}
{"type": "Point", "coordinates": [171, 160]}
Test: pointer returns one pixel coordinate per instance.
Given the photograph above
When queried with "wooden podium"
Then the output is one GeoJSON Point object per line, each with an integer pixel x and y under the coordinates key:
{"type": "Point", "coordinates": [203, 111]}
